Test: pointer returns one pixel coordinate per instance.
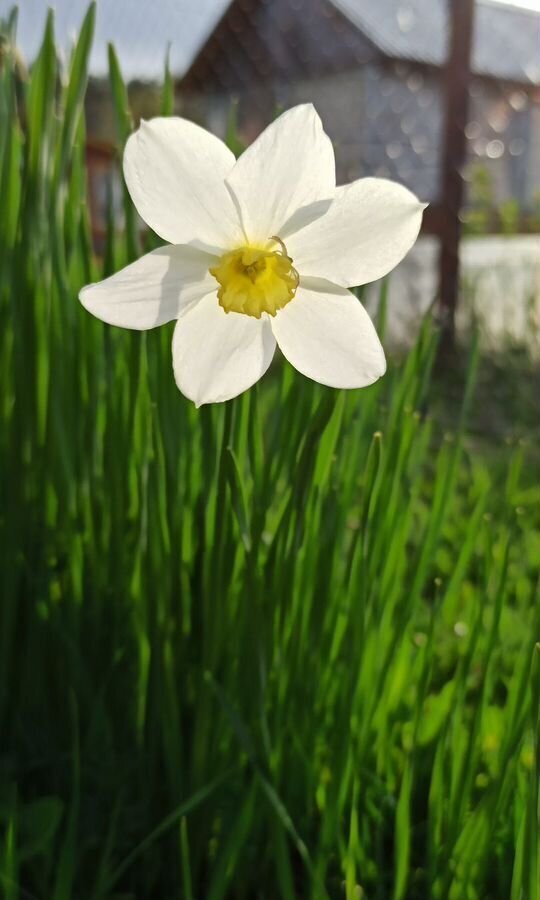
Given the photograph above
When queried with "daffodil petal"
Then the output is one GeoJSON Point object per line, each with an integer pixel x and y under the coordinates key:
{"type": "Point", "coordinates": [290, 165]}
{"type": "Point", "coordinates": [327, 335]}
{"type": "Point", "coordinates": [367, 231]}
{"type": "Point", "coordinates": [153, 290]}
{"type": "Point", "coordinates": [218, 355]}
{"type": "Point", "coordinates": [175, 173]}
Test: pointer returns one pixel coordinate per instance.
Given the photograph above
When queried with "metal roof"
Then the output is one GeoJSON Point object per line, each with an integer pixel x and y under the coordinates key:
{"type": "Point", "coordinates": [506, 39]}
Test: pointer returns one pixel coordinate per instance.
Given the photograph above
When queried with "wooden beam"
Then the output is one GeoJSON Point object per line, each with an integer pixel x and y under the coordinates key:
{"type": "Point", "coordinates": [456, 90]}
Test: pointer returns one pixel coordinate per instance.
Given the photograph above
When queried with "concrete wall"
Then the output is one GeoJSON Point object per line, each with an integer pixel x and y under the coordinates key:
{"type": "Point", "coordinates": [500, 290]}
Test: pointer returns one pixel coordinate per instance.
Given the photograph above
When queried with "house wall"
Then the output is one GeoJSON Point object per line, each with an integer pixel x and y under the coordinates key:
{"type": "Point", "coordinates": [382, 121]}
{"type": "Point", "coordinates": [340, 100]}
{"type": "Point", "coordinates": [533, 180]}
{"type": "Point", "coordinates": [503, 138]}
{"type": "Point", "coordinates": [402, 126]}
{"type": "Point", "coordinates": [404, 120]}
{"type": "Point", "coordinates": [386, 119]}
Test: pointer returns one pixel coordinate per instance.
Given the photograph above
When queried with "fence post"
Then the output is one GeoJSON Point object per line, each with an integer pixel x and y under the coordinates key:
{"type": "Point", "coordinates": [456, 95]}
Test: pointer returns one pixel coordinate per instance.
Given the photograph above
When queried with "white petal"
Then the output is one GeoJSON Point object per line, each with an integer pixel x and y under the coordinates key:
{"type": "Point", "coordinates": [289, 166]}
{"type": "Point", "coordinates": [327, 335]}
{"type": "Point", "coordinates": [218, 355]}
{"type": "Point", "coordinates": [153, 290]}
{"type": "Point", "coordinates": [175, 173]}
{"type": "Point", "coordinates": [367, 231]}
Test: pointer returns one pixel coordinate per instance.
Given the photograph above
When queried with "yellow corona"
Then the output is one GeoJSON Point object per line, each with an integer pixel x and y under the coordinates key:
{"type": "Point", "coordinates": [255, 280]}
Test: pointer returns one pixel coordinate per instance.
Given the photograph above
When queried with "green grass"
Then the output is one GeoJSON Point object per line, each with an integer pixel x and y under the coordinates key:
{"type": "Point", "coordinates": [278, 648]}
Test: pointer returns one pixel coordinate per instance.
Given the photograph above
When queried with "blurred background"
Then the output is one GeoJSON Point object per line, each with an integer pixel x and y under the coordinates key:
{"type": "Point", "coordinates": [393, 98]}
{"type": "Point", "coordinates": [286, 646]}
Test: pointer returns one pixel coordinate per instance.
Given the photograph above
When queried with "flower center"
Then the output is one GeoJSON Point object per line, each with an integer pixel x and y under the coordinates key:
{"type": "Point", "coordinates": [254, 280]}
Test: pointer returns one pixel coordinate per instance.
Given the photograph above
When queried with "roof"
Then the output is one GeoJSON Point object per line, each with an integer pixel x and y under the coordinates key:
{"type": "Point", "coordinates": [506, 43]}
{"type": "Point", "coordinates": [288, 40]}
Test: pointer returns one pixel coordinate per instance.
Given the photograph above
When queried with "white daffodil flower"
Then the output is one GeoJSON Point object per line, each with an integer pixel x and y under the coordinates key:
{"type": "Point", "coordinates": [262, 251]}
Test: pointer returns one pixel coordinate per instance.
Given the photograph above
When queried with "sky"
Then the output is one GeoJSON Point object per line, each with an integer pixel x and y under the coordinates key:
{"type": "Point", "coordinates": [528, 4]}
{"type": "Point", "coordinates": [140, 29]}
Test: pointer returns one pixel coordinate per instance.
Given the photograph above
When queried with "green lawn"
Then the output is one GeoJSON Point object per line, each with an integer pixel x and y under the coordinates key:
{"type": "Point", "coordinates": [278, 648]}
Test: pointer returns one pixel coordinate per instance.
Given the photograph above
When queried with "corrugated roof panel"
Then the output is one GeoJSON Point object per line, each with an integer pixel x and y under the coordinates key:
{"type": "Point", "coordinates": [506, 45]}
{"type": "Point", "coordinates": [506, 40]}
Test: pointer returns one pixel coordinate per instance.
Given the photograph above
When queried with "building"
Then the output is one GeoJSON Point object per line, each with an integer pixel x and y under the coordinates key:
{"type": "Point", "coordinates": [374, 72]}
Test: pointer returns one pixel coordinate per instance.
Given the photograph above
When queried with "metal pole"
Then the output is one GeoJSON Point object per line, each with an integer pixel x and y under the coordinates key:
{"type": "Point", "coordinates": [456, 92]}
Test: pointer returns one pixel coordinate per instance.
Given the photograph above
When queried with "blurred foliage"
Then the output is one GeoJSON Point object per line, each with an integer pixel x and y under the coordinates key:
{"type": "Point", "coordinates": [485, 216]}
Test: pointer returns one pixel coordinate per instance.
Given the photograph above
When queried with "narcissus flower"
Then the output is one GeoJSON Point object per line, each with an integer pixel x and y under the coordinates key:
{"type": "Point", "coordinates": [261, 251]}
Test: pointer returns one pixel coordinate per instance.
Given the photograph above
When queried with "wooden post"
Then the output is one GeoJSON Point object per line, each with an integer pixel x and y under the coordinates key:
{"type": "Point", "coordinates": [456, 92]}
